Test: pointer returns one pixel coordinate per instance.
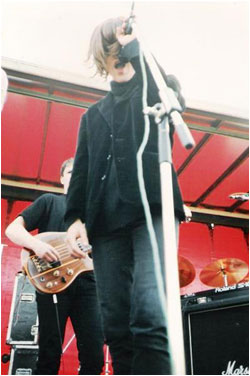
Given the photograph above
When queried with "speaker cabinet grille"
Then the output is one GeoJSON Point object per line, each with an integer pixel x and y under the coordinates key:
{"type": "Point", "coordinates": [217, 337]}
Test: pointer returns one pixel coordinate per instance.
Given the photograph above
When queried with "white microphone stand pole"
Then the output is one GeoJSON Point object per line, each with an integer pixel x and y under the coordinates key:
{"type": "Point", "coordinates": [169, 110]}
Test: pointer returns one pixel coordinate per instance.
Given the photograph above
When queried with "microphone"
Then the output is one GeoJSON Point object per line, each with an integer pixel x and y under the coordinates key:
{"type": "Point", "coordinates": [128, 27]}
{"type": "Point", "coordinates": [127, 30]}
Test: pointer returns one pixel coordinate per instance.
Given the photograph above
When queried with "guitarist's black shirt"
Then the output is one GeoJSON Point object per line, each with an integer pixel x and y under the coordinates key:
{"type": "Point", "coordinates": [46, 213]}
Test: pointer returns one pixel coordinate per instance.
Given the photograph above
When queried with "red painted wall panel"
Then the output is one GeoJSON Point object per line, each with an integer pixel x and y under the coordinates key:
{"type": "Point", "coordinates": [61, 139]}
{"type": "Point", "coordinates": [22, 133]}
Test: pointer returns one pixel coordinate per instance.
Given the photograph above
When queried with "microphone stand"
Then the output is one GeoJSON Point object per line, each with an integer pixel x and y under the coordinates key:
{"type": "Point", "coordinates": [169, 110]}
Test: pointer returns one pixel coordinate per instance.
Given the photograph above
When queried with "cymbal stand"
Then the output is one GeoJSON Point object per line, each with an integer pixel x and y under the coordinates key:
{"type": "Point", "coordinates": [224, 277]}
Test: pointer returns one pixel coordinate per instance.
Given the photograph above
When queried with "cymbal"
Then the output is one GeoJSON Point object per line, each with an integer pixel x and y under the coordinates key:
{"type": "Point", "coordinates": [186, 271]}
{"type": "Point", "coordinates": [231, 269]}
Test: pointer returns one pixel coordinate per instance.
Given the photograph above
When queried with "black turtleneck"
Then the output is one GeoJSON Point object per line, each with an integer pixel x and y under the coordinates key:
{"type": "Point", "coordinates": [123, 90]}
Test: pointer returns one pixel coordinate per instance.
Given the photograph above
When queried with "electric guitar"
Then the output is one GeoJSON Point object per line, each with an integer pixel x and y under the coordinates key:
{"type": "Point", "coordinates": [54, 277]}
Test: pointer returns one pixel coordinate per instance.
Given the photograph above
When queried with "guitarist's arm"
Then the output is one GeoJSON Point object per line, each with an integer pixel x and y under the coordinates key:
{"type": "Point", "coordinates": [18, 234]}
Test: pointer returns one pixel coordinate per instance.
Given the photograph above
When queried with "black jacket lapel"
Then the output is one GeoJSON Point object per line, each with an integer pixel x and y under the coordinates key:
{"type": "Point", "coordinates": [105, 107]}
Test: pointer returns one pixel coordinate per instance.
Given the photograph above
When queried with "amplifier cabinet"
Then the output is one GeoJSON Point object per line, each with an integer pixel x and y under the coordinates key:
{"type": "Point", "coordinates": [23, 360]}
{"type": "Point", "coordinates": [23, 320]}
{"type": "Point", "coordinates": [216, 331]}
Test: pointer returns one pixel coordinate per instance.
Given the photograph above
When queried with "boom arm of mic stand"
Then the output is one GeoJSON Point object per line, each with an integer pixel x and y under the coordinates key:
{"type": "Point", "coordinates": [167, 96]}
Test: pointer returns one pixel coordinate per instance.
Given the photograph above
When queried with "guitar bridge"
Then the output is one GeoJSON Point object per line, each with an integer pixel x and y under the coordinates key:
{"type": "Point", "coordinates": [42, 265]}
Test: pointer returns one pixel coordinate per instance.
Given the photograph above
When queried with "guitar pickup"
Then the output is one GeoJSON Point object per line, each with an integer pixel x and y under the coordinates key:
{"type": "Point", "coordinates": [55, 264]}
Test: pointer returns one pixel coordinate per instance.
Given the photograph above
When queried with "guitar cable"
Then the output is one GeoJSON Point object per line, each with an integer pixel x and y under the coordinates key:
{"type": "Point", "coordinates": [55, 301]}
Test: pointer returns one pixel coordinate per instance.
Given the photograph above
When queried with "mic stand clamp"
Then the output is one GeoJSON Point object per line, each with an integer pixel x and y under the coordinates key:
{"type": "Point", "coordinates": [158, 111]}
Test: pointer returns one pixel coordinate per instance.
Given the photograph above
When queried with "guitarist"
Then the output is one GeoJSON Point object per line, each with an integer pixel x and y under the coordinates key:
{"type": "Point", "coordinates": [78, 301]}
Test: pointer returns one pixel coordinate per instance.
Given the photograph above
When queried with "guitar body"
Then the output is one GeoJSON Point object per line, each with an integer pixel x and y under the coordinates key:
{"type": "Point", "coordinates": [52, 278]}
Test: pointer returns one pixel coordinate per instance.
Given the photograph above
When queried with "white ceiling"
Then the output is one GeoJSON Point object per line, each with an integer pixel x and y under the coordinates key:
{"type": "Point", "coordinates": [204, 43]}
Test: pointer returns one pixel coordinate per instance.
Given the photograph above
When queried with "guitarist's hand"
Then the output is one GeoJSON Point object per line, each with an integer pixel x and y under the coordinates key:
{"type": "Point", "coordinates": [77, 232]}
{"type": "Point", "coordinates": [44, 250]}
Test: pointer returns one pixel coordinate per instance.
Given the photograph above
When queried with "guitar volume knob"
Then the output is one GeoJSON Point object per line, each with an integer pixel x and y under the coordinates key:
{"type": "Point", "coordinates": [56, 273]}
{"type": "Point", "coordinates": [49, 285]}
{"type": "Point", "coordinates": [70, 271]}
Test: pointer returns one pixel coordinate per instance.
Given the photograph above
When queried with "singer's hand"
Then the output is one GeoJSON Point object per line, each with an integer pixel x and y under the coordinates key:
{"type": "Point", "coordinates": [77, 232]}
{"type": "Point", "coordinates": [123, 38]}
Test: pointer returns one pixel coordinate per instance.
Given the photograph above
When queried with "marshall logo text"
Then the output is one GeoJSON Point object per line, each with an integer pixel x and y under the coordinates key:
{"type": "Point", "coordinates": [232, 370]}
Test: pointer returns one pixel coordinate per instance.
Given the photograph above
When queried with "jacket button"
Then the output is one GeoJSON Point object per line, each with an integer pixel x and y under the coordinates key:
{"type": "Point", "coordinates": [111, 135]}
{"type": "Point", "coordinates": [103, 177]}
{"type": "Point", "coordinates": [109, 156]}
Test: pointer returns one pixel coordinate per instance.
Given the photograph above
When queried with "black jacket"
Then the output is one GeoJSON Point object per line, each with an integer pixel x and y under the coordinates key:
{"type": "Point", "coordinates": [97, 142]}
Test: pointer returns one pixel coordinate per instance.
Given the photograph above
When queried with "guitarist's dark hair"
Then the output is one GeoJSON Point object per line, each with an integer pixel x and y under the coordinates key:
{"type": "Point", "coordinates": [65, 164]}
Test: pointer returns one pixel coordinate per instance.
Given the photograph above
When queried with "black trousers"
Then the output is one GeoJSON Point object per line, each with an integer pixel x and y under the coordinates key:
{"type": "Point", "coordinates": [133, 321]}
{"type": "Point", "coordinates": [79, 303]}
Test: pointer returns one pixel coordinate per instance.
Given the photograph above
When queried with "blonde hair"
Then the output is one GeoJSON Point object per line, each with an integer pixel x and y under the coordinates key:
{"type": "Point", "coordinates": [103, 43]}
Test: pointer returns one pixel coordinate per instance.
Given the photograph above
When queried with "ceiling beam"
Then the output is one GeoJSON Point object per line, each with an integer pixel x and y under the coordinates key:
{"type": "Point", "coordinates": [13, 190]}
{"type": "Point", "coordinates": [219, 217]}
